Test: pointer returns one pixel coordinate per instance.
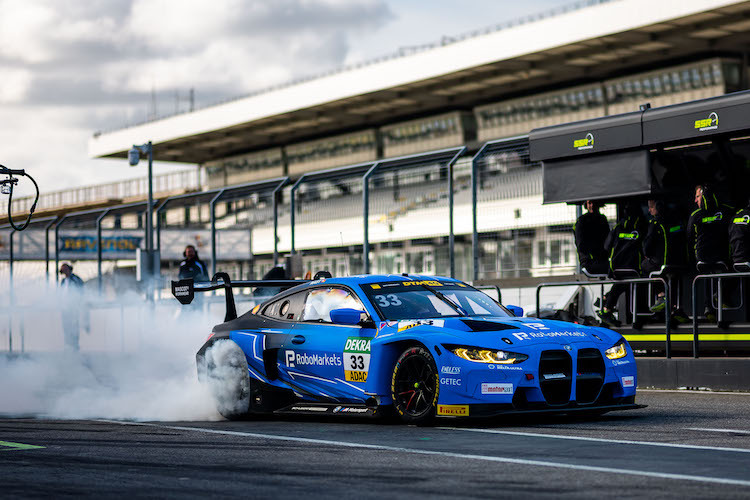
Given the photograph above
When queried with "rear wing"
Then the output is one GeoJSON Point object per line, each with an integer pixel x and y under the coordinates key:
{"type": "Point", "coordinates": [184, 290]}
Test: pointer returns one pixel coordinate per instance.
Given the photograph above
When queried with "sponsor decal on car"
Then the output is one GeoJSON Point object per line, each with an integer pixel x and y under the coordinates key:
{"type": "Point", "coordinates": [405, 325]}
{"type": "Point", "coordinates": [356, 359]}
{"type": "Point", "coordinates": [451, 370]}
{"type": "Point", "coordinates": [618, 362]}
{"type": "Point", "coordinates": [350, 409]}
{"type": "Point", "coordinates": [450, 381]}
{"type": "Point", "coordinates": [491, 388]}
{"type": "Point", "coordinates": [546, 335]}
{"type": "Point", "coordinates": [453, 410]}
{"type": "Point", "coordinates": [628, 381]}
{"type": "Point", "coordinates": [419, 283]}
{"type": "Point", "coordinates": [553, 376]}
{"type": "Point", "coordinates": [303, 359]}
{"type": "Point", "coordinates": [318, 409]}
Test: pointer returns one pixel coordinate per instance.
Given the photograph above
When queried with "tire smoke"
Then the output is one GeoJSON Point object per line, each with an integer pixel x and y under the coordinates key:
{"type": "Point", "coordinates": [135, 360]}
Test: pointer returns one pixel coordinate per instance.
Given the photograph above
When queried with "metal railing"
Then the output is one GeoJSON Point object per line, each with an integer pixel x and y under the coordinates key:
{"type": "Point", "coordinates": [185, 180]}
{"type": "Point", "coordinates": [633, 299]}
{"type": "Point", "coordinates": [720, 299]}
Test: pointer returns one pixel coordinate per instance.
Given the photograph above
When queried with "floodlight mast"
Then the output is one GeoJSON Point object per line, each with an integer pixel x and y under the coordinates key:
{"type": "Point", "coordinates": [134, 156]}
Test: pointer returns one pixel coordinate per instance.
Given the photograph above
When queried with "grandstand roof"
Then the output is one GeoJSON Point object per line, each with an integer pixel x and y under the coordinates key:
{"type": "Point", "coordinates": [588, 44]}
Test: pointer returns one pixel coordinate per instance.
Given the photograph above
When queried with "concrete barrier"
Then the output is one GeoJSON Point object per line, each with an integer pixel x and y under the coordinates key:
{"type": "Point", "coordinates": [715, 374]}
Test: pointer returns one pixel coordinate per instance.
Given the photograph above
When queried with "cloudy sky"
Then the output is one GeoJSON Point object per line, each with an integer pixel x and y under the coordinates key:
{"type": "Point", "coordinates": [71, 67]}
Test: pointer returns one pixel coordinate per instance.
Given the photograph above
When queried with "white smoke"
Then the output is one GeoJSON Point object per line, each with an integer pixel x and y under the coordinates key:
{"type": "Point", "coordinates": [136, 361]}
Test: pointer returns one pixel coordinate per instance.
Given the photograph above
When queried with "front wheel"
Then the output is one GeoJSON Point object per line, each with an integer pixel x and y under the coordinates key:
{"type": "Point", "coordinates": [415, 385]}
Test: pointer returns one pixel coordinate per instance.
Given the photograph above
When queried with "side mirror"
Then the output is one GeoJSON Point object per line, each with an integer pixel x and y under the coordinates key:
{"type": "Point", "coordinates": [517, 311]}
{"type": "Point", "coordinates": [346, 316]}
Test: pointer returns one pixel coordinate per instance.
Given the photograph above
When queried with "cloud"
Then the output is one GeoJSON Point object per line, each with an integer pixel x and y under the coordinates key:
{"type": "Point", "coordinates": [71, 67]}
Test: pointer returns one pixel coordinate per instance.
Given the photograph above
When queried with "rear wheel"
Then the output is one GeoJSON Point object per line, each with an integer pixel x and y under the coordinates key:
{"type": "Point", "coordinates": [415, 386]}
{"type": "Point", "coordinates": [228, 379]}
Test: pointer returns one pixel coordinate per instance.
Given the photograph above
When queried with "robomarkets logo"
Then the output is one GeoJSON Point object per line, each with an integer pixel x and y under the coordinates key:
{"type": "Point", "coordinates": [710, 123]}
{"type": "Point", "coordinates": [585, 143]}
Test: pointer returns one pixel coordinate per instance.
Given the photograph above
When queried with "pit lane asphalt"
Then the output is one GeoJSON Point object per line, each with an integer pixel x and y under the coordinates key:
{"type": "Point", "coordinates": [685, 445]}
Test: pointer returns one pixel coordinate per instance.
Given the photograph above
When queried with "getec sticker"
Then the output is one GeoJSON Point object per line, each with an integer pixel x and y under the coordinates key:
{"type": "Point", "coordinates": [356, 359]}
{"type": "Point", "coordinates": [628, 381]}
{"type": "Point", "coordinates": [453, 410]}
{"type": "Point", "coordinates": [490, 388]}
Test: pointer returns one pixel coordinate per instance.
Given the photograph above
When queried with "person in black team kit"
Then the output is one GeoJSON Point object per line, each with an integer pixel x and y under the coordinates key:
{"type": "Point", "coordinates": [192, 266]}
{"type": "Point", "coordinates": [591, 231]}
{"type": "Point", "coordinates": [739, 236]}
{"type": "Point", "coordinates": [708, 237]}
{"type": "Point", "coordinates": [664, 245]}
{"type": "Point", "coordinates": [624, 244]}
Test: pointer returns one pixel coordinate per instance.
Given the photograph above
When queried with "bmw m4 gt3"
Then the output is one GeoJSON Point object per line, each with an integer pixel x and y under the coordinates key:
{"type": "Point", "coordinates": [418, 347]}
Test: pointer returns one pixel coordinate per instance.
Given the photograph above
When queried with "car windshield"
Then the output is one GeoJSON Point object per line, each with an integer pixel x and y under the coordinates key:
{"type": "Point", "coordinates": [430, 299]}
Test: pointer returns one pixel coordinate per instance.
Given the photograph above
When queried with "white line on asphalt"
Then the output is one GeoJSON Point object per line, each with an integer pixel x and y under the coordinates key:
{"type": "Point", "coordinates": [598, 440]}
{"type": "Point", "coordinates": [487, 458]}
{"type": "Point", "coordinates": [692, 391]}
{"type": "Point", "coordinates": [727, 431]}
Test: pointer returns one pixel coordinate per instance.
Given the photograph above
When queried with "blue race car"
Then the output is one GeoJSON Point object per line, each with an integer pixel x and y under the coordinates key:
{"type": "Point", "coordinates": [416, 346]}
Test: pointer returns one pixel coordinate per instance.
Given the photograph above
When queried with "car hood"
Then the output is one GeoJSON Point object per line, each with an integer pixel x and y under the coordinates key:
{"type": "Point", "coordinates": [490, 331]}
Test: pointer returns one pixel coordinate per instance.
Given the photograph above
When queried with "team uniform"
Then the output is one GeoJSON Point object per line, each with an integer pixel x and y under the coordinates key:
{"type": "Point", "coordinates": [708, 229]}
{"type": "Point", "coordinates": [591, 231]}
{"type": "Point", "coordinates": [625, 246]}
{"type": "Point", "coordinates": [739, 236]}
{"type": "Point", "coordinates": [193, 268]}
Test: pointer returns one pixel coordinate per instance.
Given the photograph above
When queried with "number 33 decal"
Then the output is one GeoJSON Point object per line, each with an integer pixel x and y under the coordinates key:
{"type": "Point", "coordinates": [388, 300]}
{"type": "Point", "coordinates": [357, 362]}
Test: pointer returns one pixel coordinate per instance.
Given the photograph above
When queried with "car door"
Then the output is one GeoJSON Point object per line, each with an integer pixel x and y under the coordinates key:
{"type": "Point", "coordinates": [266, 342]}
{"type": "Point", "coordinates": [328, 360]}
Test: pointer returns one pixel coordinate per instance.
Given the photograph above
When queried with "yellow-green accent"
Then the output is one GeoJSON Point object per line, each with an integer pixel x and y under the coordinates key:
{"type": "Point", "coordinates": [662, 337]}
{"type": "Point", "coordinates": [17, 446]}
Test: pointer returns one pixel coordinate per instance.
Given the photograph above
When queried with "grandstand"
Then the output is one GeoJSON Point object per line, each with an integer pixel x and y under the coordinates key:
{"type": "Point", "coordinates": [593, 58]}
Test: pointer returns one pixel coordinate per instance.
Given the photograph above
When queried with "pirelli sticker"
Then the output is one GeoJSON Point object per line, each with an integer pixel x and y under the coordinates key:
{"type": "Point", "coordinates": [356, 359]}
{"type": "Point", "coordinates": [453, 410]}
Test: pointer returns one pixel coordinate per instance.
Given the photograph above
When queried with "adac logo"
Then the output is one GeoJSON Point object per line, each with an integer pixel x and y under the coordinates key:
{"type": "Point", "coordinates": [585, 143]}
{"type": "Point", "coordinates": [710, 123]}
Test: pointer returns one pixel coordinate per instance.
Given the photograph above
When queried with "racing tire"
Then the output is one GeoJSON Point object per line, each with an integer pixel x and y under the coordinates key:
{"type": "Point", "coordinates": [415, 385]}
{"type": "Point", "coordinates": [228, 379]}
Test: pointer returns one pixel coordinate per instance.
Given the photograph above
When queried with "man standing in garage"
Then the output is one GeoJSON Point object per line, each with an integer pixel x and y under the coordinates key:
{"type": "Point", "coordinates": [591, 230]}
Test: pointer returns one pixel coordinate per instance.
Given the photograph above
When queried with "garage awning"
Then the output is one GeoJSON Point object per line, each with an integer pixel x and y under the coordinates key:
{"type": "Point", "coordinates": [585, 138]}
{"type": "Point", "coordinates": [727, 114]}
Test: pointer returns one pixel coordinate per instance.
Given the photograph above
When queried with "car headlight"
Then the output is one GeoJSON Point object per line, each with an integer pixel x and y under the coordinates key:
{"type": "Point", "coordinates": [488, 355]}
{"type": "Point", "coordinates": [617, 351]}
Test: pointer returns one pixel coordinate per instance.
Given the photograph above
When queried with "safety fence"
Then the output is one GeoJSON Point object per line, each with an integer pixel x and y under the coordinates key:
{"type": "Point", "coordinates": [443, 212]}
